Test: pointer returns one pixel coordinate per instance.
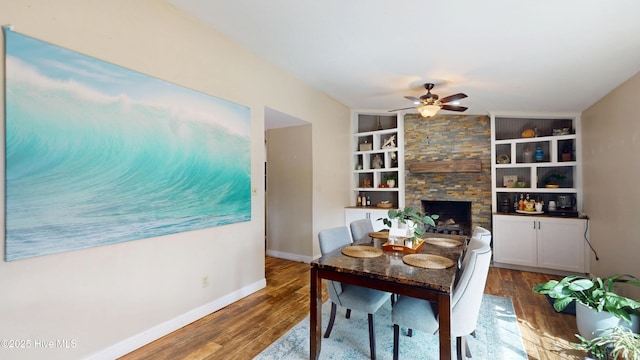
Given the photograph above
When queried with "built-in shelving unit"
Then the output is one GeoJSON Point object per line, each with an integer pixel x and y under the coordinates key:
{"type": "Point", "coordinates": [377, 156]}
{"type": "Point", "coordinates": [557, 143]}
{"type": "Point", "coordinates": [538, 155]}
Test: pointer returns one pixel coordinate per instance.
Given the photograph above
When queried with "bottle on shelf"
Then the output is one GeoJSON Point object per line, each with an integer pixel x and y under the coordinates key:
{"type": "Point", "coordinates": [359, 200]}
{"type": "Point", "coordinates": [363, 200]}
{"type": "Point", "coordinates": [515, 203]}
{"type": "Point", "coordinates": [368, 200]}
{"type": "Point", "coordinates": [521, 202]}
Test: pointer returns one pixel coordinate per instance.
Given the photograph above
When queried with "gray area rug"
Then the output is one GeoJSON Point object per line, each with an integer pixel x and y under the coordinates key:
{"type": "Point", "coordinates": [497, 336]}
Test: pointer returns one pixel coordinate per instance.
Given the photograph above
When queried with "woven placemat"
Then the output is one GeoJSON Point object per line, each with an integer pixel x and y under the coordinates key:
{"type": "Point", "coordinates": [362, 251]}
{"type": "Point", "coordinates": [379, 235]}
{"type": "Point", "coordinates": [444, 242]}
{"type": "Point", "coordinates": [428, 261]}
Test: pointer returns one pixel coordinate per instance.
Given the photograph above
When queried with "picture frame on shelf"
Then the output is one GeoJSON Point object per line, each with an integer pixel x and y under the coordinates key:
{"type": "Point", "coordinates": [509, 181]}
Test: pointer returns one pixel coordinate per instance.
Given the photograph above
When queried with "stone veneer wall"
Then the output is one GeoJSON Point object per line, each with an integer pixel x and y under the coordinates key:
{"type": "Point", "coordinates": [449, 137]}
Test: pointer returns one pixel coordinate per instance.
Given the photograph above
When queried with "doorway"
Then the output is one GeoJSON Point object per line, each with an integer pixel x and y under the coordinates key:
{"type": "Point", "coordinates": [288, 186]}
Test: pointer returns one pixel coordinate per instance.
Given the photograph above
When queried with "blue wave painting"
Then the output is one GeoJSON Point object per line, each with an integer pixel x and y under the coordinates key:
{"type": "Point", "coordinates": [97, 154]}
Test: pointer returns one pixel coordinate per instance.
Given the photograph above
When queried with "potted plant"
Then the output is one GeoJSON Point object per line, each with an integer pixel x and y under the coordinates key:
{"type": "Point", "coordinates": [553, 180]}
{"type": "Point", "coordinates": [390, 180]}
{"type": "Point", "coordinates": [412, 219]}
{"type": "Point", "coordinates": [598, 307]}
{"type": "Point", "coordinates": [619, 343]}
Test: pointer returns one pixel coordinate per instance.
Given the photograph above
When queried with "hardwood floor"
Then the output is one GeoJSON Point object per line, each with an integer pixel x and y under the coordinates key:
{"type": "Point", "coordinates": [243, 329]}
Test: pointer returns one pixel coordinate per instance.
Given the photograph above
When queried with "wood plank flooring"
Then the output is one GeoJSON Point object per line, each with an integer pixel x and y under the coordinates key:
{"type": "Point", "coordinates": [243, 329]}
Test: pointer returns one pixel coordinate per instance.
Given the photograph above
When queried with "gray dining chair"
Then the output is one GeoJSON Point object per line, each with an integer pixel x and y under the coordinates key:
{"type": "Point", "coordinates": [466, 299]}
{"type": "Point", "coordinates": [346, 295]}
{"type": "Point", "coordinates": [360, 230]}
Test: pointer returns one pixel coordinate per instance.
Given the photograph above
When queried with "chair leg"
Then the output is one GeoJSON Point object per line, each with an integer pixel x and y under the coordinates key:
{"type": "Point", "coordinates": [410, 332]}
{"type": "Point", "coordinates": [348, 314]}
{"type": "Point", "coordinates": [372, 338]}
{"type": "Point", "coordinates": [332, 318]}
{"type": "Point", "coordinates": [461, 342]}
{"type": "Point", "coordinates": [393, 300]}
{"type": "Point", "coordinates": [396, 340]}
{"type": "Point", "coordinates": [467, 350]}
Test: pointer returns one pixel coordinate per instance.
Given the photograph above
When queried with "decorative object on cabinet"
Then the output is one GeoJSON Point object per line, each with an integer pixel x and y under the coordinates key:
{"type": "Point", "coordinates": [377, 162]}
{"type": "Point", "coordinates": [596, 295]}
{"type": "Point", "coordinates": [528, 133]}
{"type": "Point", "coordinates": [384, 205]}
{"type": "Point", "coordinates": [365, 146]}
{"type": "Point", "coordinates": [509, 180]}
{"type": "Point", "coordinates": [389, 143]}
{"type": "Point", "coordinates": [527, 156]}
{"type": "Point", "coordinates": [429, 104]}
{"type": "Point", "coordinates": [503, 159]}
{"type": "Point", "coordinates": [390, 180]}
{"type": "Point", "coordinates": [553, 180]}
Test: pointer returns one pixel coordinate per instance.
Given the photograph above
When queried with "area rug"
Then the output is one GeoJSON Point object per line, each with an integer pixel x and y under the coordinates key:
{"type": "Point", "coordinates": [497, 336]}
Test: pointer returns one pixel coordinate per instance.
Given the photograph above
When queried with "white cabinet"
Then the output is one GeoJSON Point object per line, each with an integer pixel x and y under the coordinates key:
{"type": "Point", "coordinates": [352, 214]}
{"type": "Point", "coordinates": [542, 242]}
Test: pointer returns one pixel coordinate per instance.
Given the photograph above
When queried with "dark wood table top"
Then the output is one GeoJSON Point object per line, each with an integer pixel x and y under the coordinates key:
{"type": "Point", "coordinates": [390, 267]}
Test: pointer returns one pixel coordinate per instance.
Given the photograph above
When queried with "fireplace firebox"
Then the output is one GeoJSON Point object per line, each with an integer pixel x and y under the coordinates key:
{"type": "Point", "coordinates": [455, 216]}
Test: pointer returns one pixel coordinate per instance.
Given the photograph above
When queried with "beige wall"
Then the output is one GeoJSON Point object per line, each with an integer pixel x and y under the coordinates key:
{"type": "Point", "coordinates": [110, 298]}
{"type": "Point", "coordinates": [289, 193]}
{"type": "Point", "coordinates": [611, 152]}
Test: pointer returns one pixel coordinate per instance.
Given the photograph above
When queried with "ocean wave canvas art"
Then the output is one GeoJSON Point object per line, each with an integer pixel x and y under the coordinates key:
{"type": "Point", "coordinates": [97, 154]}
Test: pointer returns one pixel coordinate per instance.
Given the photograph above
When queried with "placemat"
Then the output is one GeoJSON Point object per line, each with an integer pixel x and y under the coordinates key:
{"type": "Point", "coordinates": [444, 242]}
{"type": "Point", "coordinates": [379, 235]}
{"type": "Point", "coordinates": [428, 261]}
{"type": "Point", "coordinates": [362, 251]}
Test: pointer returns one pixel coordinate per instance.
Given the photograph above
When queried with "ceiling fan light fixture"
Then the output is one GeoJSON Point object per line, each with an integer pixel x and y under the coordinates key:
{"type": "Point", "coordinates": [428, 110]}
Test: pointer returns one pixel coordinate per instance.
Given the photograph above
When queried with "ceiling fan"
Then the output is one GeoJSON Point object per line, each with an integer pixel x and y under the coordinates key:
{"type": "Point", "coordinates": [429, 104]}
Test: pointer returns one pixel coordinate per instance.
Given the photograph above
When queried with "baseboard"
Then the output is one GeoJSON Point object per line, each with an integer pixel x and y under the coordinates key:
{"type": "Point", "coordinates": [128, 345]}
{"type": "Point", "coordinates": [289, 256]}
{"type": "Point", "coordinates": [535, 269]}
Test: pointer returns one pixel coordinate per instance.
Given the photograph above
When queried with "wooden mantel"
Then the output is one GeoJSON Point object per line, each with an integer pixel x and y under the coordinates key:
{"type": "Point", "coordinates": [446, 166]}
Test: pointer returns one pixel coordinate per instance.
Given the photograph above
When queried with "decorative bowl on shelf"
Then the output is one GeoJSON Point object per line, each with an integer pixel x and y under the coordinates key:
{"type": "Point", "coordinates": [503, 159]}
{"type": "Point", "coordinates": [552, 186]}
{"type": "Point", "coordinates": [528, 133]}
{"type": "Point", "coordinates": [384, 205]}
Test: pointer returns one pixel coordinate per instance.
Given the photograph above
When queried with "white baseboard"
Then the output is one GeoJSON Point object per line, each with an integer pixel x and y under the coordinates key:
{"type": "Point", "coordinates": [128, 345]}
{"type": "Point", "coordinates": [289, 256]}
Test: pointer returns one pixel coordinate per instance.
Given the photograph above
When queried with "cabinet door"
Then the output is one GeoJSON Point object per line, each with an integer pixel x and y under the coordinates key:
{"type": "Point", "coordinates": [561, 244]}
{"type": "Point", "coordinates": [366, 213]}
{"type": "Point", "coordinates": [514, 240]}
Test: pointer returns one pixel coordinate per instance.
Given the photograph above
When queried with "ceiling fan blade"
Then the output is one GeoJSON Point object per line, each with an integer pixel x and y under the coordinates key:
{"type": "Point", "coordinates": [453, 108]}
{"type": "Point", "coordinates": [407, 108]}
{"type": "Point", "coordinates": [414, 99]}
{"type": "Point", "coordinates": [453, 97]}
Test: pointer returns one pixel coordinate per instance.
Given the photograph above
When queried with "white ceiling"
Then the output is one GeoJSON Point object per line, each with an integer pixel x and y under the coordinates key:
{"type": "Point", "coordinates": [506, 55]}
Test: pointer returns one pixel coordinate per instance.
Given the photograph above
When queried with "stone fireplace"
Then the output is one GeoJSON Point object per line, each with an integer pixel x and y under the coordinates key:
{"type": "Point", "coordinates": [453, 153]}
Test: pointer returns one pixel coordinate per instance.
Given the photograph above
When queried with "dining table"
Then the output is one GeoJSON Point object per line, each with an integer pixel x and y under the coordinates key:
{"type": "Point", "coordinates": [389, 272]}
